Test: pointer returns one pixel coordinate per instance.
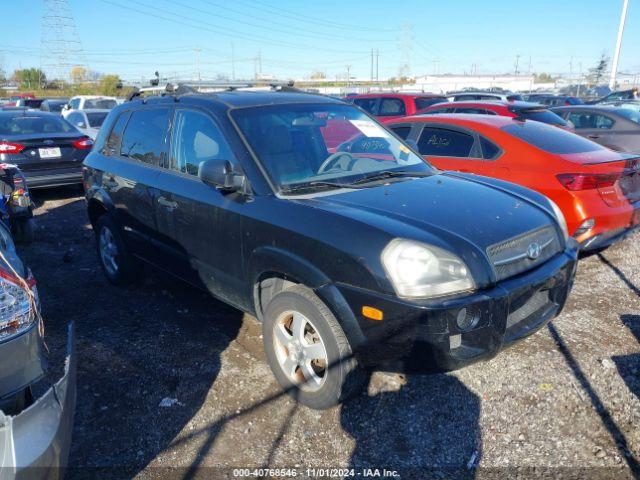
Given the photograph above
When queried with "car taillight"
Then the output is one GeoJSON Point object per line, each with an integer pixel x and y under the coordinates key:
{"type": "Point", "coordinates": [17, 304]}
{"type": "Point", "coordinates": [84, 143]}
{"type": "Point", "coordinates": [587, 181]}
{"type": "Point", "coordinates": [9, 147]}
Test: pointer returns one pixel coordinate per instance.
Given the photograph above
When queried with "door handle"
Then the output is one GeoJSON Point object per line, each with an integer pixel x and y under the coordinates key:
{"type": "Point", "coordinates": [167, 203]}
{"type": "Point", "coordinates": [593, 136]}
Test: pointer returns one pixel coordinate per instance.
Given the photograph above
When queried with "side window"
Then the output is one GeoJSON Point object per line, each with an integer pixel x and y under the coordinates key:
{"type": "Point", "coordinates": [440, 142]}
{"type": "Point", "coordinates": [590, 120]}
{"type": "Point", "coordinates": [604, 122]}
{"type": "Point", "coordinates": [74, 104]}
{"type": "Point", "coordinates": [196, 138]}
{"type": "Point", "coordinates": [490, 151]}
{"type": "Point", "coordinates": [402, 132]}
{"type": "Point", "coordinates": [367, 104]}
{"type": "Point", "coordinates": [112, 146]}
{"type": "Point", "coordinates": [144, 138]}
{"type": "Point", "coordinates": [72, 118]}
{"type": "Point", "coordinates": [391, 106]}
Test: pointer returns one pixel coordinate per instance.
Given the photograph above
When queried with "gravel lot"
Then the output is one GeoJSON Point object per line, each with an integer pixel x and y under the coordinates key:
{"type": "Point", "coordinates": [566, 400]}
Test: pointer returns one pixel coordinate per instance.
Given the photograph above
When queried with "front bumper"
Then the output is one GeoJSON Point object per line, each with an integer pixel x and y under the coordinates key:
{"type": "Point", "coordinates": [425, 337]}
{"type": "Point", "coordinates": [22, 364]}
{"type": "Point", "coordinates": [35, 443]}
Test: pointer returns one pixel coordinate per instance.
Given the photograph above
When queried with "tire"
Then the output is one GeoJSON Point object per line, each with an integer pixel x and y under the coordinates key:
{"type": "Point", "coordinates": [311, 385]}
{"type": "Point", "coordinates": [124, 269]}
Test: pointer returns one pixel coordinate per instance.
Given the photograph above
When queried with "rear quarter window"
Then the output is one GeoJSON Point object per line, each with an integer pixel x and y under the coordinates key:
{"type": "Point", "coordinates": [550, 139]}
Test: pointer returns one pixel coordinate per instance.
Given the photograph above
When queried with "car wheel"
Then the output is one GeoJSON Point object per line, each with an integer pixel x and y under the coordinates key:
{"type": "Point", "coordinates": [308, 351]}
{"type": "Point", "coordinates": [119, 266]}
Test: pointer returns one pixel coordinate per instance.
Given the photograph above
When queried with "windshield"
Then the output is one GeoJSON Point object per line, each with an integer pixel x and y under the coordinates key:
{"type": "Point", "coordinates": [96, 118]}
{"type": "Point", "coordinates": [31, 124]}
{"type": "Point", "coordinates": [301, 144]}
{"type": "Point", "coordinates": [100, 103]}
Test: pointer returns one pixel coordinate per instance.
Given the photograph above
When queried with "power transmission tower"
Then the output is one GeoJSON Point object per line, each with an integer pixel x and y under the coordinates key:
{"type": "Point", "coordinates": [60, 46]}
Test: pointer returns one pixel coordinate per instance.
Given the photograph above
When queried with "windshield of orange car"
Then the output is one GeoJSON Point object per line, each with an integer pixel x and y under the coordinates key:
{"type": "Point", "coordinates": [308, 144]}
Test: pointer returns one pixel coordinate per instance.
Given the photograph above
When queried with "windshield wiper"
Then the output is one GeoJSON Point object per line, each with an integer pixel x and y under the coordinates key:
{"type": "Point", "coordinates": [318, 183]}
{"type": "Point", "coordinates": [390, 174]}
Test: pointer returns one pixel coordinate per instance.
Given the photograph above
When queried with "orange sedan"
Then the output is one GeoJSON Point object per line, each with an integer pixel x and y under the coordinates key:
{"type": "Point", "coordinates": [597, 189]}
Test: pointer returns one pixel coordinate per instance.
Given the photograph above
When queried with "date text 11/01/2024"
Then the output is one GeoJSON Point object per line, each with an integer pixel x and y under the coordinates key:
{"type": "Point", "coordinates": [316, 472]}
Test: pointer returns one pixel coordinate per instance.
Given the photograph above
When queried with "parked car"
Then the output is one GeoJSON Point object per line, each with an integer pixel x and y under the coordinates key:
{"type": "Point", "coordinates": [13, 99]}
{"type": "Point", "coordinates": [84, 102]}
{"type": "Point", "coordinates": [350, 256]}
{"type": "Point", "coordinates": [47, 148]}
{"type": "Point", "coordinates": [552, 99]}
{"type": "Point", "coordinates": [630, 94]}
{"type": "Point", "coordinates": [54, 105]}
{"type": "Point", "coordinates": [395, 105]}
{"type": "Point", "coordinates": [88, 121]}
{"type": "Point", "coordinates": [33, 103]}
{"type": "Point", "coordinates": [519, 110]}
{"type": "Point", "coordinates": [597, 190]}
{"type": "Point", "coordinates": [617, 128]}
{"type": "Point", "coordinates": [36, 430]}
{"type": "Point", "coordinates": [471, 96]}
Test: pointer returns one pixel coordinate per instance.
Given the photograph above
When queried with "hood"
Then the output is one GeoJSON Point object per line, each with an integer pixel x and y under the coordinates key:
{"type": "Point", "coordinates": [440, 208]}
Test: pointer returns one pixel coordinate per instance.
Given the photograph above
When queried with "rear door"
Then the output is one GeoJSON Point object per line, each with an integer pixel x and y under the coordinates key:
{"type": "Point", "coordinates": [200, 224]}
{"type": "Point", "coordinates": [136, 147]}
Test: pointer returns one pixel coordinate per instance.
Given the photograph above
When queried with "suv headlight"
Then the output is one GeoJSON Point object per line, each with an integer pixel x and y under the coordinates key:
{"type": "Point", "coordinates": [417, 270]}
{"type": "Point", "coordinates": [560, 217]}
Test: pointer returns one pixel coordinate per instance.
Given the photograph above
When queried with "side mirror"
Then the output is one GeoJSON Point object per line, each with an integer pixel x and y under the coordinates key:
{"type": "Point", "coordinates": [66, 107]}
{"type": "Point", "coordinates": [220, 174]}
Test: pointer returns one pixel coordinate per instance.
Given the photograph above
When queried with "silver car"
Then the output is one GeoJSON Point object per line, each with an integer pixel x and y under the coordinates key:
{"type": "Point", "coordinates": [35, 433]}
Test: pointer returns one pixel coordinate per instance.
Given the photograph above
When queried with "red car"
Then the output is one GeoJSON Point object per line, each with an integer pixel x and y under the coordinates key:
{"type": "Point", "coordinates": [387, 106]}
{"type": "Point", "coordinates": [597, 189]}
{"type": "Point", "coordinates": [519, 110]}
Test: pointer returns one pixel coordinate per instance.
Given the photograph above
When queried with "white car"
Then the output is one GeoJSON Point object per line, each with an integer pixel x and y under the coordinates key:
{"type": "Point", "coordinates": [85, 102]}
{"type": "Point", "coordinates": [88, 121]}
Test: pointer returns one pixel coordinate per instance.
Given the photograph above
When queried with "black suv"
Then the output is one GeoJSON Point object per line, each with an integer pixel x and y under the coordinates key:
{"type": "Point", "coordinates": [350, 249]}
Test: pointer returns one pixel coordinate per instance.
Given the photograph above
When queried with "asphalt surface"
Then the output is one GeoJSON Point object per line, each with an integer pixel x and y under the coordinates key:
{"type": "Point", "coordinates": [566, 401]}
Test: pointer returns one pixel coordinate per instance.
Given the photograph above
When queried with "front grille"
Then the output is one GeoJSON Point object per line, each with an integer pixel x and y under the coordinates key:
{"type": "Point", "coordinates": [523, 252]}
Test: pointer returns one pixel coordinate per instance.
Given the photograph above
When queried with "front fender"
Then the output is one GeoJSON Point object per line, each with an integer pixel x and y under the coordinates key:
{"type": "Point", "coordinates": [266, 261]}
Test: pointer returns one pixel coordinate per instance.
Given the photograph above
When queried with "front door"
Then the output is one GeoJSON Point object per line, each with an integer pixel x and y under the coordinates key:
{"type": "Point", "coordinates": [200, 225]}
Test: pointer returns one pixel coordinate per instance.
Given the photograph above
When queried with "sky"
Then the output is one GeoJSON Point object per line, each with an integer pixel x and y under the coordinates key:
{"type": "Point", "coordinates": [293, 38]}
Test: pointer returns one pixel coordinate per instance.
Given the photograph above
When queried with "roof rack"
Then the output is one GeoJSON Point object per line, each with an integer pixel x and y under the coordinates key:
{"type": "Point", "coordinates": [182, 88]}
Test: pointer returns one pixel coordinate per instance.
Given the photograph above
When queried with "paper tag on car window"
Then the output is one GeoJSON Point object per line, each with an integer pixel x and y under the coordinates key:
{"type": "Point", "coordinates": [370, 129]}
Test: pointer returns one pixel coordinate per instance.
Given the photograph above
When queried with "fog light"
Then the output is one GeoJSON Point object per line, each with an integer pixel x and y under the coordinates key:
{"type": "Point", "coordinates": [584, 227]}
{"type": "Point", "coordinates": [466, 319]}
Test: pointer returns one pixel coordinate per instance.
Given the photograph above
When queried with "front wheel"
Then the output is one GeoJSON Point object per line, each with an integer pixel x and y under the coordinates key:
{"type": "Point", "coordinates": [308, 351]}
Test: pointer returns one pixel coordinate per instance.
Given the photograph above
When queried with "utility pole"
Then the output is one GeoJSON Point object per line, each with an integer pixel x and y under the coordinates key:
{"type": "Point", "coordinates": [517, 64]}
{"type": "Point", "coordinates": [377, 70]}
{"type": "Point", "coordinates": [436, 64]}
{"type": "Point", "coordinates": [348, 74]}
{"type": "Point", "coordinates": [616, 56]}
{"type": "Point", "coordinates": [233, 62]}
{"type": "Point", "coordinates": [372, 65]}
{"type": "Point", "coordinates": [198, 50]}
